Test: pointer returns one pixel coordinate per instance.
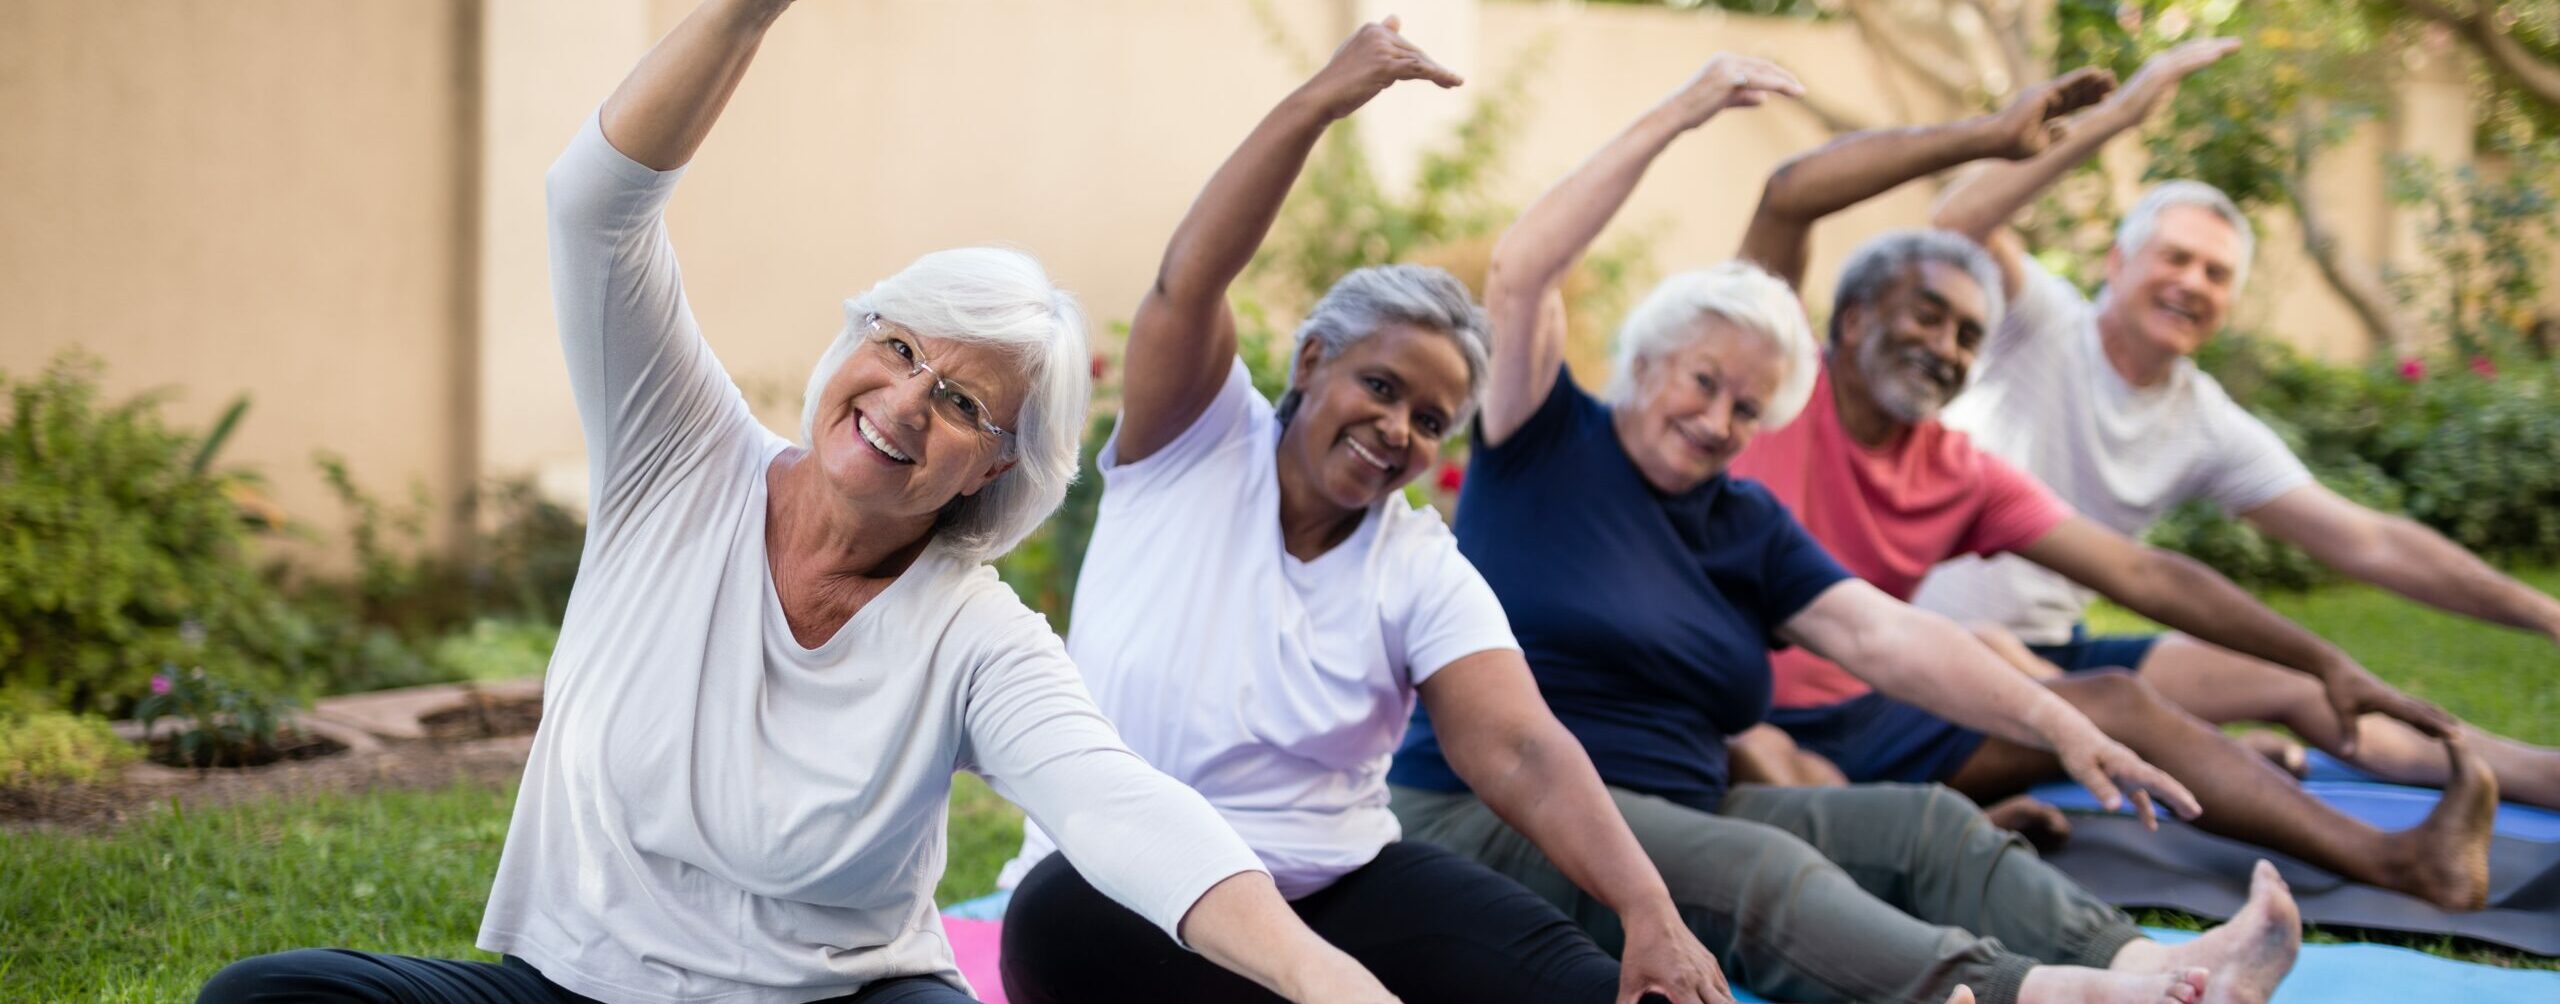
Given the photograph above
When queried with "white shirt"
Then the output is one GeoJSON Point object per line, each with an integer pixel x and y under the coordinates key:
{"type": "Point", "coordinates": [712, 812]}
{"type": "Point", "coordinates": [1278, 688]}
{"type": "Point", "coordinates": [2048, 401]}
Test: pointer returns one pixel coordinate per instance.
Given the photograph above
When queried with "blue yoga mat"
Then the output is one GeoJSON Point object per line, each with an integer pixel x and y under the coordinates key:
{"type": "Point", "coordinates": [2325, 973]}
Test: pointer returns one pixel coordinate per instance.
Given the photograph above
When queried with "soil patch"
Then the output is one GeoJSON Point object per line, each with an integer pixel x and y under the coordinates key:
{"type": "Point", "coordinates": [483, 716]}
{"type": "Point", "coordinates": [167, 752]}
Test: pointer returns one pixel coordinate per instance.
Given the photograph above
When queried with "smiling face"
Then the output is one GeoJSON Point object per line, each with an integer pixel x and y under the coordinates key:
{"type": "Point", "coordinates": [2173, 291]}
{"type": "Point", "coordinates": [1912, 346]}
{"type": "Point", "coordinates": [1699, 405]}
{"type": "Point", "coordinates": [885, 446]}
{"type": "Point", "coordinates": [1372, 418]}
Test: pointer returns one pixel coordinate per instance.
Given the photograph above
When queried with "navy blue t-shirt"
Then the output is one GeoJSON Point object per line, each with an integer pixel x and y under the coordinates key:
{"type": "Point", "coordinates": [1647, 619]}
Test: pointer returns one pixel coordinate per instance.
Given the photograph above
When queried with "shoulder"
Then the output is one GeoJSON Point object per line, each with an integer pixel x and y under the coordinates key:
{"type": "Point", "coordinates": [1237, 414]}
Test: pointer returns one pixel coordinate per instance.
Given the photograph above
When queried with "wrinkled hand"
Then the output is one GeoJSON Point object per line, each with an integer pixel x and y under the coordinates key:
{"type": "Point", "coordinates": [1371, 60]}
{"type": "Point", "coordinates": [2108, 770]}
{"type": "Point", "coordinates": [2353, 691]}
{"type": "Point", "coordinates": [2157, 81]}
{"type": "Point", "coordinates": [1664, 958]}
{"type": "Point", "coordinates": [2033, 123]}
{"type": "Point", "coordinates": [1731, 81]}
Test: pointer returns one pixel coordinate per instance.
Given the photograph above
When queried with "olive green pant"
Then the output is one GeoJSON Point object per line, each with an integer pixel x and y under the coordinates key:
{"type": "Point", "coordinates": [1875, 892]}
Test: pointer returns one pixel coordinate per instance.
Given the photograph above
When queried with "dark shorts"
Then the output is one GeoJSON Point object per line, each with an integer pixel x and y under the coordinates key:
{"type": "Point", "coordinates": [1876, 738]}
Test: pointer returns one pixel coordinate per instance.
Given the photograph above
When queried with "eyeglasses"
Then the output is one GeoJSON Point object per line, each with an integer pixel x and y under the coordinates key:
{"type": "Point", "coordinates": [897, 347]}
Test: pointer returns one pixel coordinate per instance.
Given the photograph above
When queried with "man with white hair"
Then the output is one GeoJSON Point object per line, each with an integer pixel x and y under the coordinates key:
{"type": "Point", "coordinates": [2101, 402]}
{"type": "Point", "coordinates": [1890, 492]}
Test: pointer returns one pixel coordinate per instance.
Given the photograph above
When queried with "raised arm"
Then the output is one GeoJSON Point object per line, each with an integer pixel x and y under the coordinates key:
{"type": "Point", "coordinates": [1927, 660]}
{"type": "Point", "coordinates": [1183, 339]}
{"type": "Point", "coordinates": [1530, 261]}
{"type": "Point", "coordinates": [1502, 740]}
{"type": "Point", "coordinates": [1981, 205]}
{"type": "Point", "coordinates": [662, 111]}
{"type": "Point", "coordinates": [1863, 165]}
{"type": "Point", "coordinates": [2184, 594]}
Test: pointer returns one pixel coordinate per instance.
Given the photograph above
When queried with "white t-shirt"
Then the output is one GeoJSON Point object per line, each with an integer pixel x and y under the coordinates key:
{"type": "Point", "coordinates": [1278, 688]}
{"type": "Point", "coordinates": [712, 812]}
{"type": "Point", "coordinates": [2047, 400]}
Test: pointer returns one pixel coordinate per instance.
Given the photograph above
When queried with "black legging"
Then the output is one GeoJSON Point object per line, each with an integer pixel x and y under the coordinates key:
{"type": "Point", "coordinates": [1431, 925]}
{"type": "Point", "coordinates": [340, 976]}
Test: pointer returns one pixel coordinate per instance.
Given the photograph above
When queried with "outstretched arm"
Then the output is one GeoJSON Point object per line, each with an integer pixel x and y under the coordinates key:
{"type": "Point", "coordinates": [1980, 206]}
{"type": "Point", "coordinates": [1530, 261]}
{"type": "Point", "coordinates": [1502, 740]}
{"type": "Point", "coordinates": [2404, 556]}
{"type": "Point", "coordinates": [1863, 165]}
{"type": "Point", "coordinates": [2182, 593]}
{"type": "Point", "coordinates": [1921, 658]}
{"type": "Point", "coordinates": [1183, 339]}
{"type": "Point", "coordinates": [662, 111]}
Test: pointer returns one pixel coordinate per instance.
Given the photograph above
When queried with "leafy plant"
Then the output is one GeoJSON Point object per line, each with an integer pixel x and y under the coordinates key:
{"type": "Point", "coordinates": [49, 748]}
{"type": "Point", "coordinates": [121, 549]}
{"type": "Point", "coordinates": [223, 724]}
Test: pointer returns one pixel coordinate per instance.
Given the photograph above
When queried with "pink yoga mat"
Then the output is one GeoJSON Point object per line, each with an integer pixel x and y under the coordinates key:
{"type": "Point", "coordinates": [975, 942]}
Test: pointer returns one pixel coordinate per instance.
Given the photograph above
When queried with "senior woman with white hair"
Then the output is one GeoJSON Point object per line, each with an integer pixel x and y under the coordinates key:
{"type": "Point", "coordinates": [1648, 588]}
{"type": "Point", "coordinates": [1260, 610]}
{"type": "Point", "coordinates": [777, 654]}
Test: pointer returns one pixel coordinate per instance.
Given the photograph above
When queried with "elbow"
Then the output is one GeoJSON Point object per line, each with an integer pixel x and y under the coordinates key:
{"type": "Point", "coordinates": [1782, 197]}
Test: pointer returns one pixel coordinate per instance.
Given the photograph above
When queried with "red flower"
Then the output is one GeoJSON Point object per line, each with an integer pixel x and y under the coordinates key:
{"type": "Point", "coordinates": [2482, 365]}
{"type": "Point", "coordinates": [1451, 476]}
{"type": "Point", "coordinates": [2413, 369]}
{"type": "Point", "coordinates": [1100, 364]}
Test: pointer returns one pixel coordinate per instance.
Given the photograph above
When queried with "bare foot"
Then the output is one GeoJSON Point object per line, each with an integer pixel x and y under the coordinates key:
{"type": "Point", "coordinates": [2078, 985]}
{"type": "Point", "coordinates": [2248, 956]}
{"type": "Point", "coordinates": [2445, 860]}
{"type": "Point", "coordinates": [2279, 750]}
{"type": "Point", "coordinates": [2043, 825]}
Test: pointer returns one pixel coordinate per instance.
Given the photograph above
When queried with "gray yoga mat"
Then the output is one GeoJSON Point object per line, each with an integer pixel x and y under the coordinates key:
{"type": "Point", "coordinates": [2183, 868]}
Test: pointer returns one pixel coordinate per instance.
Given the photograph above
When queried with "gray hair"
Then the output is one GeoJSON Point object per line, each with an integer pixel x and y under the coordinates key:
{"type": "Point", "coordinates": [1885, 259]}
{"type": "Point", "coordinates": [1740, 293]}
{"type": "Point", "coordinates": [997, 297]}
{"type": "Point", "coordinates": [2139, 226]}
{"type": "Point", "coordinates": [1371, 298]}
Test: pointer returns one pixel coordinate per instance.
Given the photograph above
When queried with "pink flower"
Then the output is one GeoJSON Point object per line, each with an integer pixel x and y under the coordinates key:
{"type": "Point", "coordinates": [2413, 369]}
{"type": "Point", "coordinates": [1451, 477]}
{"type": "Point", "coordinates": [2482, 365]}
{"type": "Point", "coordinates": [160, 684]}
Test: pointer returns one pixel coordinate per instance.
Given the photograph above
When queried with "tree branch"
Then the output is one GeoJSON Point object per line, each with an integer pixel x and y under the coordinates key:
{"type": "Point", "coordinates": [2479, 26]}
{"type": "Point", "coordinates": [2355, 282]}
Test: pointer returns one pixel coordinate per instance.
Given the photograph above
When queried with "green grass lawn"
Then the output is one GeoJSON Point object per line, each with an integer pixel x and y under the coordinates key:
{"type": "Point", "coordinates": [146, 913]}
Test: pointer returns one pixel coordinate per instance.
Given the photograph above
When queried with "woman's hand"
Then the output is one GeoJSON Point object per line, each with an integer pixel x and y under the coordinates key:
{"type": "Point", "coordinates": [1374, 58]}
{"type": "Point", "coordinates": [1730, 81]}
{"type": "Point", "coordinates": [1244, 926]}
{"type": "Point", "coordinates": [1663, 957]}
{"type": "Point", "coordinates": [2108, 770]}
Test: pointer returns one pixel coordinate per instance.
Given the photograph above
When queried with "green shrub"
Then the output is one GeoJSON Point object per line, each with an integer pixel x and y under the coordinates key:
{"type": "Point", "coordinates": [221, 723]}
{"type": "Point", "coordinates": [47, 748]}
{"type": "Point", "coordinates": [121, 552]}
{"type": "Point", "coordinates": [496, 649]}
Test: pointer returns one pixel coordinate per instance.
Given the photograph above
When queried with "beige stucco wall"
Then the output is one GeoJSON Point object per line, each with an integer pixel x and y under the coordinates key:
{"type": "Point", "coordinates": [246, 196]}
{"type": "Point", "coordinates": [337, 207]}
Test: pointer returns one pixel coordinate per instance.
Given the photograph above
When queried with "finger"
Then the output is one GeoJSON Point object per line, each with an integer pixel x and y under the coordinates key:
{"type": "Point", "coordinates": [2344, 708]}
{"type": "Point", "coordinates": [2426, 716]}
{"type": "Point", "coordinates": [1770, 76]}
{"type": "Point", "coordinates": [2093, 777]}
{"type": "Point", "coordinates": [1425, 68]}
{"type": "Point", "coordinates": [1393, 24]}
{"type": "Point", "coordinates": [2143, 810]}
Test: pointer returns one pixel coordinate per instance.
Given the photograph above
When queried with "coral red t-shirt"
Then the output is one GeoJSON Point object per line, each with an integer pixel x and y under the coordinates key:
{"type": "Point", "coordinates": [1889, 513]}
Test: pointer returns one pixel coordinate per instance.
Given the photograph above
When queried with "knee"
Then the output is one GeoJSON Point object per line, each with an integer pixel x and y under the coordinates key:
{"type": "Point", "coordinates": [293, 975]}
{"type": "Point", "coordinates": [2116, 696]}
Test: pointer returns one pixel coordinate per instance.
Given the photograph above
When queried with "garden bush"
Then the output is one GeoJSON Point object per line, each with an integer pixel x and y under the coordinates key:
{"type": "Point", "coordinates": [41, 749]}
{"type": "Point", "coordinates": [122, 550]}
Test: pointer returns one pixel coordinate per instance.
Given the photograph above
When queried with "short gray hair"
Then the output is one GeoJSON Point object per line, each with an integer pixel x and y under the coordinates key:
{"type": "Point", "coordinates": [1739, 292]}
{"type": "Point", "coordinates": [1371, 298]}
{"type": "Point", "coordinates": [2139, 226]}
{"type": "Point", "coordinates": [997, 297]}
{"type": "Point", "coordinates": [1886, 258]}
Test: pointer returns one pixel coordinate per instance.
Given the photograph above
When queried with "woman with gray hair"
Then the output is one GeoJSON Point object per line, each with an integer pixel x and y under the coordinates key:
{"type": "Point", "coordinates": [778, 653]}
{"type": "Point", "coordinates": [1648, 587]}
{"type": "Point", "coordinates": [1260, 610]}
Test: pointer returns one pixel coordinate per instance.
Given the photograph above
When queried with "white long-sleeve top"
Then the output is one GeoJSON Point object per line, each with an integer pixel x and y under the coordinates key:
{"type": "Point", "coordinates": [713, 812]}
